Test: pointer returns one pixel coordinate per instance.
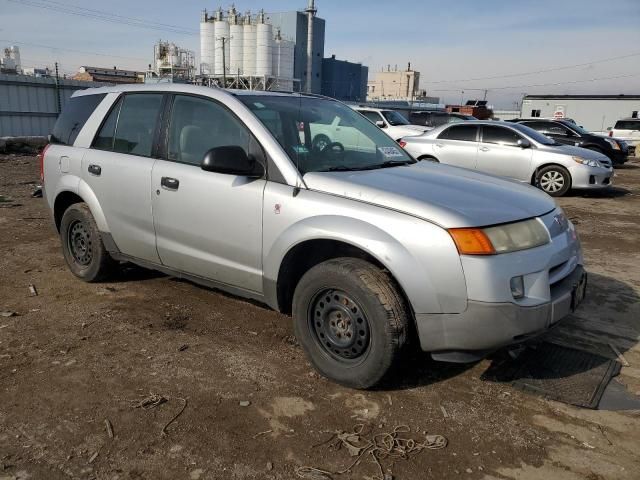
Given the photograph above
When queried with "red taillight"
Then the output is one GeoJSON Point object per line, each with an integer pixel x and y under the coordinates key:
{"type": "Point", "coordinates": [611, 133]}
{"type": "Point", "coordinates": [402, 143]}
{"type": "Point", "coordinates": [41, 158]}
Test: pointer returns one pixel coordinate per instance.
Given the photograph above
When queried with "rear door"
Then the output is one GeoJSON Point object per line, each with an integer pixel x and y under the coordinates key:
{"type": "Point", "coordinates": [500, 154]}
{"type": "Point", "coordinates": [118, 167]}
{"type": "Point", "coordinates": [207, 224]}
{"type": "Point", "coordinates": [457, 145]}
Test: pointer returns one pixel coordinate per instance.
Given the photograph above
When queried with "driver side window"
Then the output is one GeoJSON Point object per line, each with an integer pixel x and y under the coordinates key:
{"type": "Point", "coordinates": [197, 125]}
{"type": "Point", "coordinates": [372, 116]}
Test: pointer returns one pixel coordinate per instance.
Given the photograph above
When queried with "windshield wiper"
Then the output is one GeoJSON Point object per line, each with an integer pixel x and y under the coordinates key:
{"type": "Point", "coordinates": [342, 168]}
{"type": "Point", "coordinates": [393, 163]}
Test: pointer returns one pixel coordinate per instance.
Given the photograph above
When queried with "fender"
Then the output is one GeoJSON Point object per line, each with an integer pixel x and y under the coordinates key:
{"type": "Point", "coordinates": [409, 271]}
{"type": "Point", "coordinates": [73, 184]}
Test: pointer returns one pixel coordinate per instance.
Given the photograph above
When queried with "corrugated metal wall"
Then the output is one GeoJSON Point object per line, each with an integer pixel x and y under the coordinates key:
{"type": "Point", "coordinates": [29, 105]}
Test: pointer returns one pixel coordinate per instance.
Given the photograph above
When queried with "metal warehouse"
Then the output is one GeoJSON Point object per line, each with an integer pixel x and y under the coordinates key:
{"type": "Point", "coordinates": [596, 113]}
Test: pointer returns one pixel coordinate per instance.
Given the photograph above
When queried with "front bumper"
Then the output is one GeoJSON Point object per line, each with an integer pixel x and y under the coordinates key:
{"type": "Point", "coordinates": [618, 157]}
{"type": "Point", "coordinates": [485, 327]}
{"type": "Point", "coordinates": [583, 177]}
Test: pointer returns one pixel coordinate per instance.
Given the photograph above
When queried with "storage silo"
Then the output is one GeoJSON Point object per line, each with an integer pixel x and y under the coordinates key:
{"type": "Point", "coordinates": [264, 51]}
{"type": "Point", "coordinates": [207, 47]}
{"type": "Point", "coordinates": [236, 40]}
{"type": "Point", "coordinates": [283, 56]}
{"type": "Point", "coordinates": [221, 32]}
{"type": "Point", "coordinates": [249, 44]}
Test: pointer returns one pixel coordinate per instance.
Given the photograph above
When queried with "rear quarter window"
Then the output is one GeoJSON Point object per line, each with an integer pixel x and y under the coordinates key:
{"type": "Point", "coordinates": [73, 117]}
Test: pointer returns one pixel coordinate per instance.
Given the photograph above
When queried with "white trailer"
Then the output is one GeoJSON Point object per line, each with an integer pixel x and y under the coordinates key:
{"type": "Point", "coordinates": [596, 113]}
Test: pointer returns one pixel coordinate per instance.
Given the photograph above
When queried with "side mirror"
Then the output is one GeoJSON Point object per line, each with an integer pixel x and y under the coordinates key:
{"type": "Point", "coordinates": [523, 143]}
{"type": "Point", "coordinates": [380, 124]}
{"type": "Point", "coordinates": [231, 160]}
{"type": "Point", "coordinates": [609, 129]}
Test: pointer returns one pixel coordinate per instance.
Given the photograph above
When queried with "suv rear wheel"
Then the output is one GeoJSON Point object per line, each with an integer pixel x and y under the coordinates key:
{"type": "Point", "coordinates": [82, 245]}
{"type": "Point", "coordinates": [554, 180]}
{"type": "Point", "coordinates": [350, 320]}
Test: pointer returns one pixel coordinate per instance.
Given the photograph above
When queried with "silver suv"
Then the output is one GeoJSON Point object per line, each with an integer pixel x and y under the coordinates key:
{"type": "Point", "coordinates": [364, 246]}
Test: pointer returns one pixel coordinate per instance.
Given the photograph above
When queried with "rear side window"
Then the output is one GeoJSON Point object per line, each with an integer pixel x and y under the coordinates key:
{"type": "Point", "coordinates": [465, 133]}
{"type": "Point", "coordinates": [131, 125]}
{"type": "Point", "coordinates": [372, 116]}
{"type": "Point", "coordinates": [500, 136]}
{"type": "Point", "coordinates": [74, 115]}
{"type": "Point", "coordinates": [628, 125]}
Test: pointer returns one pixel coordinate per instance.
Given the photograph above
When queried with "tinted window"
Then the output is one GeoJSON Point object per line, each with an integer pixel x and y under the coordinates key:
{"type": "Point", "coordinates": [373, 116]}
{"type": "Point", "coordinates": [198, 125]}
{"type": "Point", "coordinates": [628, 125]}
{"type": "Point", "coordinates": [499, 135]}
{"type": "Point", "coordinates": [104, 138]}
{"type": "Point", "coordinates": [549, 128]}
{"type": "Point", "coordinates": [74, 115]}
{"type": "Point", "coordinates": [466, 133]}
{"type": "Point", "coordinates": [137, 123]}
{"type": "Point", "coordinates": [395, 118]}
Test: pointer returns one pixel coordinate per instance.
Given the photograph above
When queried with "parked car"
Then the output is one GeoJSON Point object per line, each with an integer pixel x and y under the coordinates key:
{"type": "Point", "coordinates": [364, 248]}
{"type": "Point", "coordinates": [435, 118]}
{"type": "Point", "coordinates": [628, 130]}
{"type": "Point", "coordinates": [515, 151]}
{"type": "Point", "coordinates": [391, 122]}
{"type": "Point", "coordinates": [568, 133]}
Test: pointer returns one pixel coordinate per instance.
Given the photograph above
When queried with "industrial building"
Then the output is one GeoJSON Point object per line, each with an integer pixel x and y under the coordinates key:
{"type": "Point", "coordinates": [595, 113]}
{"type": "Point", "coordinates": [10, 61]}
{"type": "Point", "coordinates": [109, 75]}
{"type": "Point", "coordinates": [245, 51]}
{"type": "Point", "coordinates": [171, 63]}
{"type": "Point", "coordinates": [395, 85]}
{"type": "Point", "coordinates": [344, 80]}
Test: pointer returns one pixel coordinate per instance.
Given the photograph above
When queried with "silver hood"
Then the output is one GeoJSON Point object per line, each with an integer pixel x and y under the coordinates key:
{"type": "Point", "coordinates": [576, 151]}
{"type": "Point", "coordinates": [448, 196]}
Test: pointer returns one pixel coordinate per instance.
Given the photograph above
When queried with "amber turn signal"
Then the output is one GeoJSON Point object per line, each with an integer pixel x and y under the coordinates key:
{"type": "Point", "coordinates": [472, 241]}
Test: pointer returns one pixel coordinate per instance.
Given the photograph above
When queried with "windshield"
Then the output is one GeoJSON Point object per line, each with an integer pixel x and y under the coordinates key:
{"type": "Point", "coordinates": [395, 118]}
{"type": "Point", "coordinates": [533, 134]}
{"type": "Point", "coordinates": [321, 135]}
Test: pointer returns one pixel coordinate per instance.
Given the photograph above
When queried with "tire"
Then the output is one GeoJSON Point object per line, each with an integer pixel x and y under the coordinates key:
{"type": "Point", "coordinates": [320, 142]}
{"type": "Point", "coordinates": [82, 245]}
{"type": "Point", "coordinates": [554, 180]}
{"type": "Point", "coordinates": [350, 320]}
{"type": "Point", "coordinates": [429, 158]}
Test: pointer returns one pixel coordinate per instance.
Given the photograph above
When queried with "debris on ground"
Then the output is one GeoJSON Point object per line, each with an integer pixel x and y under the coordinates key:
{"type": "Point", "coordinates": [151, 401]}
{"type": "Point", "coordinates": [164, 432]}
{"type": "Point", "coordinates": [245, 403]}
{"type": "Point", "coordinates": [37, 193]}
{"type": "Point", "coordinates": [380, 446]}
{"type": "Point", "coordinates": [109, 427]}
{"type": "Point", "coordinates": [621, 359]}
{"type": "Point", "coordinates": [269, 466]}
{"type": "Point", "coordinates": [8, 313]}
{"type": "Point", "coordinates": [182, 348]}
{"type": "Point", "coordinates": [32, 290]}
{"type": "Point", "coordinates": [93, 457]}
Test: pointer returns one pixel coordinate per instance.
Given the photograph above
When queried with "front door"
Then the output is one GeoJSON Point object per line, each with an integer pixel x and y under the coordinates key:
{"type": "Point", "coordinates": [500, 154]}
{"type": "Point", "coordinates": [118, 167]}
{"type": "Point", "coordinates": [207, 224]}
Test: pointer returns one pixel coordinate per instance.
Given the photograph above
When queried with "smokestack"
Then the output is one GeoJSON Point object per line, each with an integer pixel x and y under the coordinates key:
{"type": "Point", "coordinates": [311, 12]}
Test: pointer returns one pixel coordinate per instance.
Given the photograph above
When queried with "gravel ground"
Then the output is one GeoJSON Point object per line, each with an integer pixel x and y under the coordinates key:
{"type": "Point", "coordinates": [78, 356]}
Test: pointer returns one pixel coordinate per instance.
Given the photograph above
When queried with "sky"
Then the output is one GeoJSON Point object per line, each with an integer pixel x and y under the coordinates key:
{"type": "Point", "coordinates": [454, 44]}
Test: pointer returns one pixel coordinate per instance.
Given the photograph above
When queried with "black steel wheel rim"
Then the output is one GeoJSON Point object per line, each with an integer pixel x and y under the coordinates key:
{"type": "Point", "coordinates": [79, 241]}
{"type": "Point", "coordinates": [339, 325]}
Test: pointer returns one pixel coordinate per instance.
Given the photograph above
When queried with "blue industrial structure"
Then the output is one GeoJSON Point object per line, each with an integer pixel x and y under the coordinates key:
{"type": "Point", "coordinates": [294, 26]}
{"type": "Point", "coordinates": [344, 80]}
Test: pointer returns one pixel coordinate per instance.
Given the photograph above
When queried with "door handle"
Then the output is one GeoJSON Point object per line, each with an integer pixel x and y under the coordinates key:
{"type": "Point", "coordinates": [484, 149]}
{"type": "Point", "coordinates": [95, 170]}
{"type": "Point", "coordinates": [170, 183]}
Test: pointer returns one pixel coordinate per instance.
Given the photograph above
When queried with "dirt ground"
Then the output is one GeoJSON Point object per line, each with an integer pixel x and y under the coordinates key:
{"type": "Point", "coordinates": [78, 355]}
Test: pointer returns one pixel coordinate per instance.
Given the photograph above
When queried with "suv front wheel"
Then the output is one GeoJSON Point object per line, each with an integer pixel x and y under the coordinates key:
{"type": "Point", "coordinates": [82, 245]}
{"type": "Point", "coordinates": [350, 320]}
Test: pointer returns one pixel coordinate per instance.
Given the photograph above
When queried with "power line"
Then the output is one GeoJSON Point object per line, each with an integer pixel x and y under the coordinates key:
{"type": "Point", "coordinates": [547, 70]}
{"type": "Point", "coordinates": [570, 82]}
{"type": "Point", "coordinates": [50, 47]}
{"type": "Point", "coordinates": [104, 16]}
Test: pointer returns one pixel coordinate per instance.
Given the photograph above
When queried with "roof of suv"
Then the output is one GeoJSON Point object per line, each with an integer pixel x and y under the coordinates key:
{"type": "Point", "coordinates": [186, 88]}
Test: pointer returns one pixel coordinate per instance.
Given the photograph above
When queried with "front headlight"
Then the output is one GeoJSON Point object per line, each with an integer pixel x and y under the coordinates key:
{"type": "Point", "coordinates": [587, 162]}
{"type": "Point", "coordinates": [507, 238]}
{"type": "Point", "coordinates": [615, 145]}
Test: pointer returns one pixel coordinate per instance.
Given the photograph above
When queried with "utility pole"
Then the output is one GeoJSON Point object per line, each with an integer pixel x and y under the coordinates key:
{"type": "Point", "coordinates": [59, 104]}
{"type": "Point", "coordinates": [224, 63]}
{"type": "Point", "coordinates": [485, 94]}
{"type": "Point", "coordinates": [311, 12]}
